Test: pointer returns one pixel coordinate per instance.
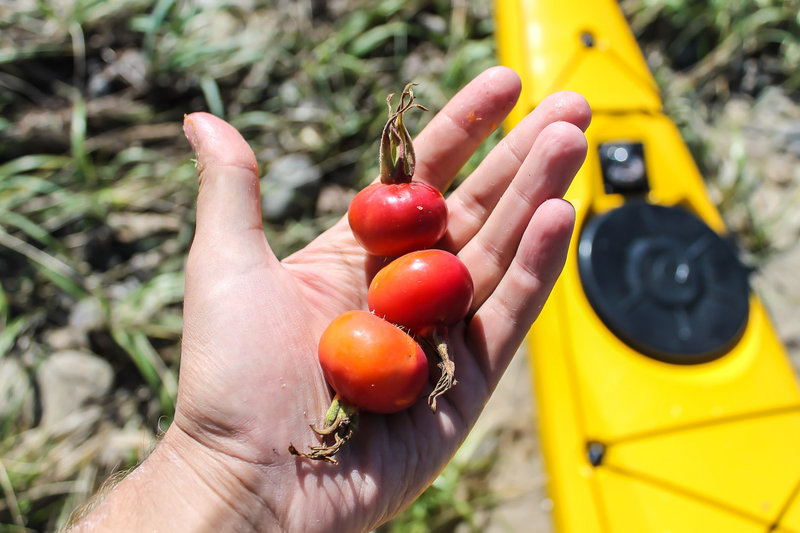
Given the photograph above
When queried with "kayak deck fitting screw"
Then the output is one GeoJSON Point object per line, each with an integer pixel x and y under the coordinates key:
{"type": "Point", "coordinates": [595, 451]}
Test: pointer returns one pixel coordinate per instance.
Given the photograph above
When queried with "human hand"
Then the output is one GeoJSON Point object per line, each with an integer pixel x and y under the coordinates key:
{"type": "Point", "coordinates": [250, 382]}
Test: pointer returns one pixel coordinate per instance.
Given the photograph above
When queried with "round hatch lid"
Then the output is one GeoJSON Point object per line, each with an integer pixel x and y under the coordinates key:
{"type": "Point", "coordinates": [664, 282]}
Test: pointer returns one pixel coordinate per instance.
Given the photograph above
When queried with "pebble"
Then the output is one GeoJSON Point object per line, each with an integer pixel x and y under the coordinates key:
{"type": "Point", "coordinates": [290, 187]}
{"type": "Point", "coordinates": [17, 399]}
{"type": "Point", "coordinates": [69, 381]}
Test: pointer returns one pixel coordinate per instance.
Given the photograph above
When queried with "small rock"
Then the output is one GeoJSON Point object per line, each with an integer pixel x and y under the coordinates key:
{"type": "Point", "coordinates": [793, 140]}
{"type": "Point", "coordinates": [290, 92]}
{"type": "Point", "coordinates": [69, 380]}
{"type": "Point", "coordinates": [334, 200]}
{"type": "Point", "coordinates": [64, 338]}
{"type": "Point", "coordinates": [290, 188]}
{"type": "Point", "coordinates": [775, 282]}
{"type": "Point", "coordinates": [86, 315]}
{"type": "Point", "coordinates": [131, 226]}
{"type": "Point", "coordinates": [16, 394]}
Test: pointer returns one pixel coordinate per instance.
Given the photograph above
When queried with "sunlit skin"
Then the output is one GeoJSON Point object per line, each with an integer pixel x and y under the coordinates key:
{"type": "Point", "coordinates": [250, 379]}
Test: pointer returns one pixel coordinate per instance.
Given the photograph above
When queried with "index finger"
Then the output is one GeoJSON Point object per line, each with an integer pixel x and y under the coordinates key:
{"type": "Point", "coordinates": [451, 137]}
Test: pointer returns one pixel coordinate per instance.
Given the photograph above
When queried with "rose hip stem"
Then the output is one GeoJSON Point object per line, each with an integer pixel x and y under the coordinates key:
{"type": "Point", "coordinates": [447, 380]}
{"type": "Point", "coordinates": [340, 423]}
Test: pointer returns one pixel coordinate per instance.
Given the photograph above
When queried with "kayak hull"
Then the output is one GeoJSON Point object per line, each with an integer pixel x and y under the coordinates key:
{"type": "Point", "coordinates": [633, 441]}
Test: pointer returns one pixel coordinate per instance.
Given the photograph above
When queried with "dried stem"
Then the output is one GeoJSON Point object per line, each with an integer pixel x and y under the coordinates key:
{"type": "Point", "coordinates": [341, 421]}
{"type": "Point", "coordinates": [448, 378]}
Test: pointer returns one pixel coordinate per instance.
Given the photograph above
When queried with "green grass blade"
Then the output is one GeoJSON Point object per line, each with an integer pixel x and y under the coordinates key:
{"type": "Point", "coordinates": [157, 375]}
{"type": "Point", "coordinates": [77, 136]}
{"type": "Point", "coordinates": [29, 163]}
{"type": "Point", "coordinates": [9, 334]}
{"type": "Point", "coordinates": [213, 97]}
{"type": "Point", "coordinates": [55, 270]}
{"type": "Point", "coordinates": [153, 23]}
{"type": "Point", "coordinates": [28, 227]}
{"type": "Point", "coordinates": [5, 312]}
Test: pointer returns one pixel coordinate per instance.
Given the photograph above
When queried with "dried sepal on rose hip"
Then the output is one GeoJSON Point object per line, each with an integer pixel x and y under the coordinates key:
{"type": "Point", "coordinates": [338, 426]}
{"type": "Point", "coordinates": [426, 292]}
{"type": "Point", "coordinates": [372, 366]}
{"type": "Point", "coordinates": [398, 214]}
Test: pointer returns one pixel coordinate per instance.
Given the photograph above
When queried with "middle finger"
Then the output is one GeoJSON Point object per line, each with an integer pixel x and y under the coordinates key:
{"type": "Point", "coordinates": [545, 173]}
{"type": "Point", "coordinates": [472, 202]}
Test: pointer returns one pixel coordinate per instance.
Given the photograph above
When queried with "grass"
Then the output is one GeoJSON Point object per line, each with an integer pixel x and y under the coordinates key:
{"type": "Point", "coordinates": [97, 187]}
{"type": "Point", "coordinates": [458, 497]}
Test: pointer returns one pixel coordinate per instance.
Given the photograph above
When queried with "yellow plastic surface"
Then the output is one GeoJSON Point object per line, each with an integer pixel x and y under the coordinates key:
{"type": "Point", "coordinates": [717, 463]}
{"type": "Point", "coordinates": [546, 42]}
{"type": "Point", "coordinates": [790, 521]}
{"type": "Point", "coordinates": [561, 420]}
{"type": "Point", "coordinates": [695, 448]}
{"type": "Point", "coordinates": [645, 507]}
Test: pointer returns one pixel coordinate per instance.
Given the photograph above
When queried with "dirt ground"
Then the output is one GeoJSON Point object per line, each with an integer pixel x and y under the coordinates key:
{"type": "Point", "coordinates": [518, 477]}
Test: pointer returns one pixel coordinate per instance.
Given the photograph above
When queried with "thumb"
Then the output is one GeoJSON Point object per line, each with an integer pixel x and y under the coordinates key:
{"type": "Point", "coordinates": [228, 200]}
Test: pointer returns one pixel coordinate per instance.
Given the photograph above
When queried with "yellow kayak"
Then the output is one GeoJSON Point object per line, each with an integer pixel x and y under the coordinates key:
{"type": "Point", "coordinates": [666, 402]}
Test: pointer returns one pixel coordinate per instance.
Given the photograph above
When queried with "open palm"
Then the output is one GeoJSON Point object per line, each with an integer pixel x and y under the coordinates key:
{"type": "Point", "coordinates": [250, 382]}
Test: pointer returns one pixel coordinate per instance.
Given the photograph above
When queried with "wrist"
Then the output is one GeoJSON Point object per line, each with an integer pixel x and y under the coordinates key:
{"type": "Point", "coordinates": [183, 486]}
{"type": "Point", "coordinates": [214, 487]}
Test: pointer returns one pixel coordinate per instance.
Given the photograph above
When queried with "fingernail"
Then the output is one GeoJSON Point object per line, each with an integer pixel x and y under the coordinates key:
{"type": "Point", "coordinates": [189, 131]}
